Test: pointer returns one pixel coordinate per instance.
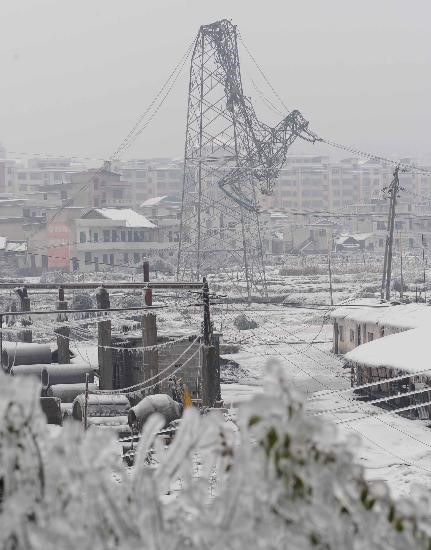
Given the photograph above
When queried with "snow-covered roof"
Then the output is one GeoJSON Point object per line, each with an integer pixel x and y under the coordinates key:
{"type": "Point", "coordinates": [402, 316]}
{"type": "Point", "coordinates": [126, 215]}
{"type": "Point", "coordinates": [407, 351]}
{"type": "Point", "coordinates": [341, 239]}
{"type": "Point", "coordinates": [154, 201]}
{"type": "Point", "coordinates": [16, 246]}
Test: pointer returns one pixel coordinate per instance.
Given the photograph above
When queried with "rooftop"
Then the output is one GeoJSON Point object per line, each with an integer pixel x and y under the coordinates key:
{"type": "Point", "coordinates": [407, 351]}
{"type": "Point", "coordinates": [402, 316]}
{"type": "Point", "coordinates": [126, 215]}
{"type": "Point", "coordinates": [164, 199]}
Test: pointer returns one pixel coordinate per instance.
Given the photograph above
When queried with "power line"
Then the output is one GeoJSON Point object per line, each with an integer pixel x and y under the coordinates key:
{"type": "Point", "coordinates": [135, 131]}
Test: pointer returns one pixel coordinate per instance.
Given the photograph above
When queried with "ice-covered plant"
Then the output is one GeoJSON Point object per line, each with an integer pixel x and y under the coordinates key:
{"type": "Point", "coordinates": [274, 478]}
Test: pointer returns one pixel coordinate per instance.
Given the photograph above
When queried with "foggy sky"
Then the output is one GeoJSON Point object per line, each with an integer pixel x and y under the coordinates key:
{"type": "Point", "coordinates": [76, 74]}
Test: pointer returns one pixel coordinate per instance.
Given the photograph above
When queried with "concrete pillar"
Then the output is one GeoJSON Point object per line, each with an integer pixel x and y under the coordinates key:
{"type": "Point", "coordinates": [63, 331]}
{"type": "Point", "coordinates": [26, 335]}
{"type": "Point", "coordinates": [104, 339]}
{"type": "Point", "coordinates": [336, 336]}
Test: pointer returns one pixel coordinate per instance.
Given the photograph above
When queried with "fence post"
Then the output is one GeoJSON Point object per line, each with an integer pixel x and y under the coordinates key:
{"type": "Point", "coordinates": [104, 339]}
{"type": "Point", "coordinates": [62, 331]}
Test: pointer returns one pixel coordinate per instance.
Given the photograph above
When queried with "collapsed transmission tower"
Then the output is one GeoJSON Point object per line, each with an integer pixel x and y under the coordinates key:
{"type": "Point", "coordinates": [230, 157]}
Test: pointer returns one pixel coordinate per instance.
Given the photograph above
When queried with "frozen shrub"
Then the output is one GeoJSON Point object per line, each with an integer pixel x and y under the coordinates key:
{"type": "Point", "coordinates": [277, 478]}
{"type": "Point", "coordinates": [163, 266]}
{"type": "Point", "coordinates": [397, 286]}
{"type": "Point", "coordinates": [242, 322]}
{"type": "Point", "coordinates": [83, 300]}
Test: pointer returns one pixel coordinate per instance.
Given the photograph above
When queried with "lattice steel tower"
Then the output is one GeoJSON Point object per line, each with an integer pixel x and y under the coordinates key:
{"type": "Point", "coordinates": [230, 157]}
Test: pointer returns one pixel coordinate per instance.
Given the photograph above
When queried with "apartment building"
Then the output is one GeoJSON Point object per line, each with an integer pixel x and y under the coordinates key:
{"type": "Point", "coordinates": [152, 178]}
{"type": "Point", "coordinates": [314, 183]}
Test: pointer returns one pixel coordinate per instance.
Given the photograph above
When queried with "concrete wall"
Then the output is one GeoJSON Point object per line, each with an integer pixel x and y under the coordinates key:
{"type": "Point", "coordinates": [352, 333]}
{"type": "Point", "coordinates": [128, 364]}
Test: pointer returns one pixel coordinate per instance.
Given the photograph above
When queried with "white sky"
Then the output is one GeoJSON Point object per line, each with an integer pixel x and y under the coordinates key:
{"type": "Point", "coordinates": [76, 74]}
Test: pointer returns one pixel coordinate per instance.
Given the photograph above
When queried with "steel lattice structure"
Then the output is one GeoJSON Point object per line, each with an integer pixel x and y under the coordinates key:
{"type": "Point", "coordinates": [230, 156]}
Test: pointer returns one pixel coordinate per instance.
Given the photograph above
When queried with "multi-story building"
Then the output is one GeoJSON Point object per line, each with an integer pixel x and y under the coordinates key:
{"type": "Point", "coordinates": [152, 178]}
{"type": "Point", "coordinates": [113, 237]}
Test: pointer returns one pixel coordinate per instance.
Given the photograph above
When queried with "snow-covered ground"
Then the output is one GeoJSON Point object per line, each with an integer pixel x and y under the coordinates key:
{"type": "Point", "coordinates": [299, 336]}
{"type": "Point", "coordinates": [391, 447]}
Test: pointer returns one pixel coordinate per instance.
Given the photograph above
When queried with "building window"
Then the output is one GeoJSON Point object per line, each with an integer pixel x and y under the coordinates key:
{"type": "Point", "coordinates": [126, 258]}
{"type": "Point", "coordinates": [111, 259]}
{"type": "Point", "coordinates": [45, 196]}
{"type": "Point", "coordinates": [96, 237]}
{"type": "Point", "coordinates": [341, 333]}
{"type": "Point", "coordinates": [44, 261]}
{"type": "Point", "coordinates": [130, 236]}
{"type": "Point", "coordinates": [352, 335]}
{"type": "Point", "coordinates": [370, 336]}
{"type": "Point", "coordinates": [136, 258]}
{"type": "Point", "coordinates": [105, 259]}
{"type": "Point", "coordinates": [88, 258]}
{"type": "Point", "coordinates": [106, 236]}
{"type": "Point", "coordinates": [114, 236]}
{"type": "Point", "coordinates": [82, 237]}
{"type": "Point", "coordinates": [123, 236]}
{"type": "Point", "coordinates": [117, 193]}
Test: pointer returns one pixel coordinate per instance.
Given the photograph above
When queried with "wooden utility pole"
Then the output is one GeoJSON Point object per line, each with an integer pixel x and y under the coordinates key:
{"type": "Point", "coordinates": [149, 335]}
{"type": "Point", "coordinates": [210, 359]}
{"type": "Point", "coordinates": [62, 331]}
{"type": "Point", "coordinates": [393, 191]}
{"type": "Point", "coordinates": [207, 315]}
{"type": "Point", "coordinates": [104, 342]}
{"type": "Point", "coordinates": [401, 272]}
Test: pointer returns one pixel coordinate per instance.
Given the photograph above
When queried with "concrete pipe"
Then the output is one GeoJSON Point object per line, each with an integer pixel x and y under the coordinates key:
{"type": "Point", "coordinates": [68, 392]}
{"type": "Point", "coordinates": [100, 405]}
{"type": "Point", "coordinates": [107, 421]}
{"type": "Point", "coordinates": [160, 403]}
{"type": "Point", "coordinates": [57, 374]}
{"type": "Point", "coordinates": [25, 354]}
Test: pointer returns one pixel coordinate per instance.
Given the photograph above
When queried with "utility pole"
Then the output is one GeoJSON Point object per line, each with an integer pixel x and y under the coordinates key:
{"type": "Point", "coordinates": [210, 360]}
{"type": "Point", "coordinates": [392, 191]}
{"type": "Point", "coordinates": [330, 279]}
{"type": "Point", "coordinates": [401, 272]}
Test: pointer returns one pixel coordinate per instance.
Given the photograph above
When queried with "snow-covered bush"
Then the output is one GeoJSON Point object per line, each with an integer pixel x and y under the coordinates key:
{"type": "Point", "coordinates": [276, 479]}
{"type": "Point", "coordinates": [82, 300]}
{"type": "Point", "coordinates": [242, 322]}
